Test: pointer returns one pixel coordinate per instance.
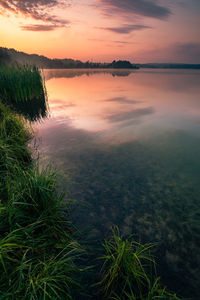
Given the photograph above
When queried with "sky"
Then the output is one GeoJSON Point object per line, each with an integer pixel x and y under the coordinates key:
{"type": "Point", "coordinates": [103, 30]}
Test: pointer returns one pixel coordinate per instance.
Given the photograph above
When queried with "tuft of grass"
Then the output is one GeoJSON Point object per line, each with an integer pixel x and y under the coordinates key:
{"type": "Point", "coordinates": [129, 271]}
{"type": "Point", "coordinates": [30, 275]}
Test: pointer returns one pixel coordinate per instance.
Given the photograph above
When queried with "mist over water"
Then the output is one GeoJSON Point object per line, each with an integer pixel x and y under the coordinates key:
{"type": "Point", "coordinates": [130, 143]}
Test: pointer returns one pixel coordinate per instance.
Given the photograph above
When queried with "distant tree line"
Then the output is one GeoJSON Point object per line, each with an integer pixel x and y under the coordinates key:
{"type": "Point", "coordinates": [10, 56]}
{"type": "Point", "coordinates": [169, 66]}
{"type": "Point", "coordinates": [4, 56]}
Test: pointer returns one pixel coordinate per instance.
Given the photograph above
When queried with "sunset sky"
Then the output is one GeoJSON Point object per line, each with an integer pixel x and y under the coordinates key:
{"type": "Point", "coordinates": [103, 30]}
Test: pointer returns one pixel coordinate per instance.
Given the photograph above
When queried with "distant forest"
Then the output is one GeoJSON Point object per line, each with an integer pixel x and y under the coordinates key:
{"type": "Point", "coordinates": [10, 56]}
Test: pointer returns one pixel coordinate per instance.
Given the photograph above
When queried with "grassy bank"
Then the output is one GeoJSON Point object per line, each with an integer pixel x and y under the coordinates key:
{"type": "Point", "coordinates": [39, 259]}
{"type": "Point", "coordinates": [37, 251]}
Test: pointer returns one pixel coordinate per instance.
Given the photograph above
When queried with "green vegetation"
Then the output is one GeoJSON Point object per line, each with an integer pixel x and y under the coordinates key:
{"type": "Point", "coordinates": [39, 258]}
{"type": "Point", "coordinates": [22, 88]}
{"type": "Point", "coordinates": [129, 271]}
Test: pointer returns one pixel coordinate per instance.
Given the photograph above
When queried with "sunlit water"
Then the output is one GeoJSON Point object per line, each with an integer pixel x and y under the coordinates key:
{"type": "Point", "coordinates": [129, 143]}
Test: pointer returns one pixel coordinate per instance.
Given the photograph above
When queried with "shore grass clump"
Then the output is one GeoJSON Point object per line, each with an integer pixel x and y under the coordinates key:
{"type": "Point", "coordinates": [22, 87]}
{"type": "Point", "coordinates": [13, 130]}
{"type": "Point", "coordinates": [37, 249]}
{"type": "Point", "coordinates": [129, 271]}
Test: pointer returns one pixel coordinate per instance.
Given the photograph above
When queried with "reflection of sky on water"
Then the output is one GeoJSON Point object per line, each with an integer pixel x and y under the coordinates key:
{"type": "Point", "coordinates": [134, 102]}
{"type": "Point", "coordinates": [99, 107]}
{"type": "Point", "coordinates": [131, 146]}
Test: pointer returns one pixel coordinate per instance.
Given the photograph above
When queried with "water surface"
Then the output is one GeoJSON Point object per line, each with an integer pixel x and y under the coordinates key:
{"type": "Point", "coordinates": [129, 141]}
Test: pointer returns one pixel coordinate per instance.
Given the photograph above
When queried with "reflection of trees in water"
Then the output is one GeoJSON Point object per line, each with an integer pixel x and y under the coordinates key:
{"type": "Point", "coordinates": [151, 191]}
{"type": "Point", "coordinates": [23, 89]}
{"type": "Point", "coordinates": [33, 110]}
{"type": "Point", "coordinates": [49, 74]}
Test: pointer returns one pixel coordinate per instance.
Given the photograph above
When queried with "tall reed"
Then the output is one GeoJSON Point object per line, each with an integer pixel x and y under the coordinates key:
{"type": "Point", "coordinates": [22, 87]}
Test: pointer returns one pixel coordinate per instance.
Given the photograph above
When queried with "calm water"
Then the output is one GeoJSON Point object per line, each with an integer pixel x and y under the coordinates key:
{"type": "Point", "coordinates": [129, 144]}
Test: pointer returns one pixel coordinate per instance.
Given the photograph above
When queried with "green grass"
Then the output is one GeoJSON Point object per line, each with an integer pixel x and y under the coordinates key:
{"type": "Point", "coordinates": [14, 154]}
{"type": "Point", "coordinates": [37, 251]}
{"type": "Point", "coordinates": [22, 87]}
{"type": "Point", "coordinates": [129, 271]}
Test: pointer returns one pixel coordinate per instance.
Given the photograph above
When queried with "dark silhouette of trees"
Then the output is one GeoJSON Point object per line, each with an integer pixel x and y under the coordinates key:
{"type": "Point", "coordinates": [4, 56]}
{"type": "Point", "coordinates": [121, 64]}
{"type": "Point", "coordinates": [43, 62]}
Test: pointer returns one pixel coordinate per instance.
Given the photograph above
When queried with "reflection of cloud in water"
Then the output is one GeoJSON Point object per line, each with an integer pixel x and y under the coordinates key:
{"type": "Point", "coordinates": [62, 102]}
{"type": "Point", "coordinates": [70, 73]}
{"type": "Point", "coordinates": [59, 138]}
{"type": "Point", "coordinates": [122, 100]}
{"type": "Point", "coordinates": [130, 122]}
{"type": "Point", "coordinates": [130, 115]}
{"type": "Point", "coordinates": [60, 105]}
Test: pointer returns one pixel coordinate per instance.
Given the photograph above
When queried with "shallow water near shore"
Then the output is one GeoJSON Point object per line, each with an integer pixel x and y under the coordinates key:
{"type": "Point", "coordinates": [129, 142]}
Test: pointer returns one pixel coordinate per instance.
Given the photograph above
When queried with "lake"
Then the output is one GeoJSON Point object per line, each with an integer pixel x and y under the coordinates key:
{"type": "Point", "coordinates": [127, 146]}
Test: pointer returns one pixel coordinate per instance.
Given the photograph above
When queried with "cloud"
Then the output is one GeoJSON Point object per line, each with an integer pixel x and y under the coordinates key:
{"type": "Point", "coordinates": [38, 27]}
{"type": "Point", "coordinates": [36, 9]}
{"type": "Point", "coordinates": [147, 8]}
{"type": "Point", "coordinates": [125, 28]}
{"type": "Point", "coordinates": [122, 42]}
{"type": "Point", "coordinates": [175, 53]}
{"type": "Point", "coordinates": [134, 114]}
{"type": "Point", "coordinates": [112, 42]}
{"type": "Point", "coordinates": [189, 52]}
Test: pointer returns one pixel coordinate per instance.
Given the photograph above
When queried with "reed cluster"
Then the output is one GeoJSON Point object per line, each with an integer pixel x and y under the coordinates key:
{"type": "Point", "coordinates": [23, 89]}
